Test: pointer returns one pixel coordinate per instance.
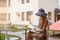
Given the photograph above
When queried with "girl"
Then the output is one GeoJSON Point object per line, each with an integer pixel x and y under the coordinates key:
{"type": "Point", "coordinates": [42, 26]}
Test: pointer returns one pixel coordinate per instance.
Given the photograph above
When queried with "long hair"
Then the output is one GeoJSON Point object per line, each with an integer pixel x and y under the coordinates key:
{"type": "Point", "coordinates": [43, 20]}
{"type": "Point", "coordinates": [43, 17]}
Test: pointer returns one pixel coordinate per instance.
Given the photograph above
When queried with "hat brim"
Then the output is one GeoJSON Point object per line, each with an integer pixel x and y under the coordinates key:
{"type": "Point", "coordinates": [41, 13]}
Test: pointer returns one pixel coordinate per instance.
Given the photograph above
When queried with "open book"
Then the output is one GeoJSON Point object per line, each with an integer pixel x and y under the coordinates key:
{"type": "Point", "coordinates": [32, 27]}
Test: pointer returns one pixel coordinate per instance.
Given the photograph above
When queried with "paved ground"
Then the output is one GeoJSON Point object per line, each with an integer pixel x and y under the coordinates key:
{"type": "Point", "coordinates": [17, 34]}
{"type": "Point", "coordinates": [54, 37]}
{"type": "Point", "coordinates": [22, 35]}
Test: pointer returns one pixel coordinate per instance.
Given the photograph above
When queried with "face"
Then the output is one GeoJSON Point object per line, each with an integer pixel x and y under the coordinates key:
{"type": "Point", "coordinates": [40, 19]}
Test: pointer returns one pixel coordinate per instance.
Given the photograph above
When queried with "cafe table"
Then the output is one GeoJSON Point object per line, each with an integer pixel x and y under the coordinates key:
{"type": "Point", "coordinates": [26, 29]}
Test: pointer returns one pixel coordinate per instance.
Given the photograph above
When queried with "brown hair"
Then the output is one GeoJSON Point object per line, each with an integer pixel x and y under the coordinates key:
{"type": "Point", "coordinates": [43, 17]}
{"type": "Point", "coordinates": [43, 20]}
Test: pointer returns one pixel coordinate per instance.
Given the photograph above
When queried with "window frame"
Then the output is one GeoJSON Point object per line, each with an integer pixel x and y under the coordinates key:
{"type": "Point", "coordinates": [28, 14]}
{"type": "Point", "coordinates": [22, 16]}
{"type": "Point", "coordinates": [22, 1]}
{"type": "Point", "coordinates": [27, 1]}
{"type": "Point", "coordinates": [18, 14]}
{"type": "Point", "coordinates": [3, 16]}
{"type": "Point", "coordinates": [49, 15]}
{"type": "Point", "coordinates": [4, 3]}
{"type": "Point", "coordinates": [9, 16]}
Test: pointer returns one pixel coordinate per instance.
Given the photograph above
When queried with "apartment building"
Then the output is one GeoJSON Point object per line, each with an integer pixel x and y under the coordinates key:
{"type": "Point", "coordinates": [23, 11]}
{"type": "Point", "coordinates": [4, 13]}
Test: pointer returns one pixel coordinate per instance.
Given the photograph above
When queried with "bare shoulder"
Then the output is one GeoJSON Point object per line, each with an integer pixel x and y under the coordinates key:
{"type": "Point", "coordinates": [46, 20]}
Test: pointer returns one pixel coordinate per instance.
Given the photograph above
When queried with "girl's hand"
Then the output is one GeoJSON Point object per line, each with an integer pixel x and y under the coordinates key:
{"type": "Point", "coordinates": [38, 30]}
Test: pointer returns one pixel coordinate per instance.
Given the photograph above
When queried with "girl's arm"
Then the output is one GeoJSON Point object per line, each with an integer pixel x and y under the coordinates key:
{"type": "Point", "coordinates": [44, 26]}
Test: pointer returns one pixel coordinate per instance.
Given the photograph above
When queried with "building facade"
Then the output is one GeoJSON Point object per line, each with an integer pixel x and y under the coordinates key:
{"type": "Point", "coordinates": [4, 11]}
{"type": "Point", "coordinates": [23, 11]}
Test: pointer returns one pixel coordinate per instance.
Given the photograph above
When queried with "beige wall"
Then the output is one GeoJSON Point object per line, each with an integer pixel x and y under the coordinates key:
{"type": "Point", "coordinates": [4, 11]}
{"type": "Point", "coordinates": [33, 5]}
{"type": "Point", "coordinates": [49, 6]}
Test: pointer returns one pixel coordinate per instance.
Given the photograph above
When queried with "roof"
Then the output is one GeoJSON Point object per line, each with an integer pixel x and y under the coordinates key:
{"type": "Point", "coordinates": [57, 10]}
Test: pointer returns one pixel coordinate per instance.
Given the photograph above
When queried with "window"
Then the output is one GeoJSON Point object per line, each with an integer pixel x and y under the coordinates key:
{"type": "Point", "coordinates": [3, 16]}
{"type": "Point", "coordinates": [22, 16]}
{"type": "Point", "coordinates": [3, 3]}
{"type": "Point", "coordinates": [22, 1]}
{"type": "Point", "coordinates": [49, 15]}
{"type": "Point", "coordinates": [28, 14]}
{"type": "Point", "coordinates": [9, 3]}
{"type": "Point", "coordinates": [57, 16]}
{"type": "Point", "coordinates": [18, 14]}
{"type": "Point", "coordinates": [9, 16]}
{"type": "Point", "coordinates": [27, 1]}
